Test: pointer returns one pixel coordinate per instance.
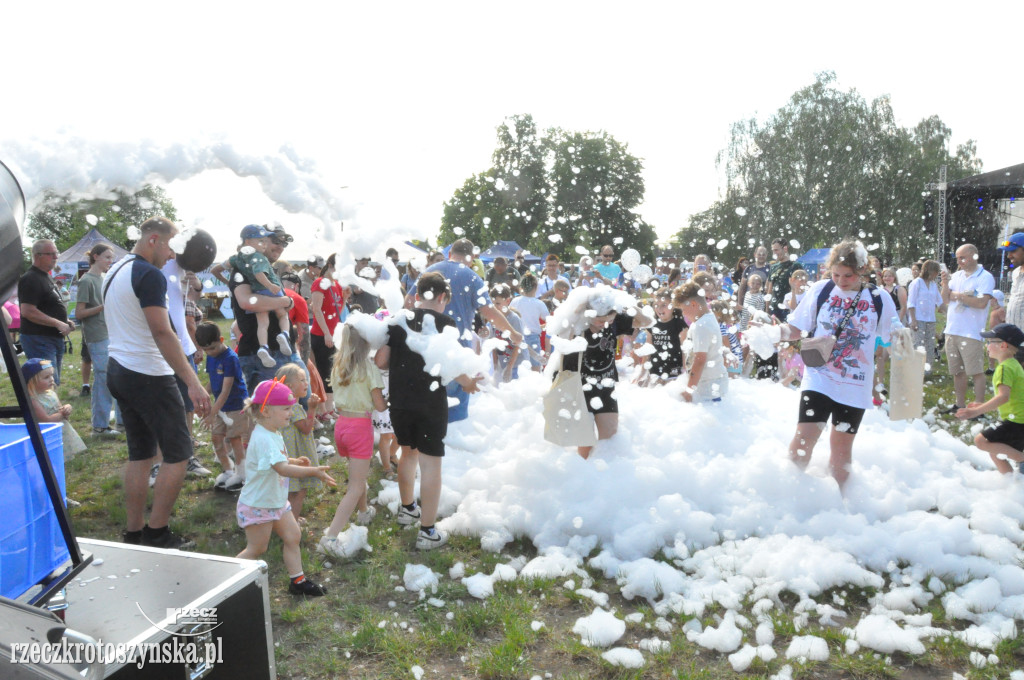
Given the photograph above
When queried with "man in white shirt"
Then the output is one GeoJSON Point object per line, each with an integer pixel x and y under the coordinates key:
{"type": "Point", "coordinates": [1013, 312]}
{"type": "Point", "coordinates": [551, 274]}
{"type": "Point", "coordinates": [967, 294]}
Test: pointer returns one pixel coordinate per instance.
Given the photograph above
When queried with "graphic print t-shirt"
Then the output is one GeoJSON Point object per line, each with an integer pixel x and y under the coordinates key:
{"type": "Point", "coordinates": [599, 358]}
{"type": "Point", "coordinates": [849, 374]}
{"type": "Point", "coordinates": [667, 361]}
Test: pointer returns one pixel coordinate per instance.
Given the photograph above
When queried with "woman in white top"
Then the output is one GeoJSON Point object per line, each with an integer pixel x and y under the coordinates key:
{"type": "Point", "coordinates": [842, 386]}
{"type": "Point", "coordinates": [923, 299]}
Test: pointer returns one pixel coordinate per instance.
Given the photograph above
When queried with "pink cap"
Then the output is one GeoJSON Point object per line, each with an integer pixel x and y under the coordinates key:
{"type": "Point", "coordinates": [272, 393]}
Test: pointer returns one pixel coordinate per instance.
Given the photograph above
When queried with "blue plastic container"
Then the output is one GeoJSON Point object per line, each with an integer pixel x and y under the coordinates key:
{"type": "Point", "coordinates": [31, 544]}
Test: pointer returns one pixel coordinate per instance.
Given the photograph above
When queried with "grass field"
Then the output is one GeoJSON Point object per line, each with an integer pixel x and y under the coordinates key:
{"type": "Point", "coordinates": [369, 626]}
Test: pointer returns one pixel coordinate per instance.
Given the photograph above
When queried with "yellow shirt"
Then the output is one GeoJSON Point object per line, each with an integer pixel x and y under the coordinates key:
{"type": "Point", "coordinates": [355, 396]}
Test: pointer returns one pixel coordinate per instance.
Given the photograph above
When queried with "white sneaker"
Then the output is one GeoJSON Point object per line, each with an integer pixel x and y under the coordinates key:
{"type": "Point", "coordinates": [425, 541]}
{"type": "Point", "coordinates": [153, 472]}
{"type": "Point", "coordinates": [408, 517]}
{"type": "Point", "coordinates": [222, 479]}
{"type": "Point", "coordinates": [365, 518]}
{"type": "Point", "coordinates": [264, 354]}
{"type": "Point", "coordinates": [282, 342]}
{"type": "Point", "coordinates": [235, 482]}
{"type": "Point", "coordinates": [196, 469]}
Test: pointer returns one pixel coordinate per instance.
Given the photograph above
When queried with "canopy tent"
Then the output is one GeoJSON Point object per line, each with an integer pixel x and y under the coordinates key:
{"type": "Point", "coordinates": [72, 259]}
{"type": "Point", "coordinates": [507, 250]}
{"type": "Point", "coordinates": [1003, 183]}
{"type": "Point", "coordinates": [813, 260]}
{"type": "Point", "coordinates": [976, 212]}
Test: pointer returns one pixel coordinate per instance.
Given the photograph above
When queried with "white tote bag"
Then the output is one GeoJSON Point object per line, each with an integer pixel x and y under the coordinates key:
{"type": "Point", "coordinates": [906, 378]}
{"type": "Point", "coordinates": [567, 421]}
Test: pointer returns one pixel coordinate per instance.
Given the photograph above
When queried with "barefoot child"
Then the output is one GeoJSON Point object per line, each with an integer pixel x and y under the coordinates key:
{"type": "Point", "coordinates": [255, 268]}
{"type": "Point", "coordinates": [46, 406]}
{"type": "Point", "coordinates": [419, 411]}
{"type": "Point", "coordinates": [263, 504]}
{"type": "Point", "coordinates": [387, 445]}
{"type": "Point", "coordinates": [706, 378]}
{"type": "Point", "coordinates": [358, 390]}
{"type": "Point", "coordinates": [229, 425]}
{"type": "Point", "coordinates": [1004, 441]}
{"type": "Point", "coordinates": [298, 435]}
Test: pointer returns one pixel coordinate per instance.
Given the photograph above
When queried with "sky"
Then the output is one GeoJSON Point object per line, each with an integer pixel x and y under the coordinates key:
{"type": "Point", "coordinates": [392, 106]}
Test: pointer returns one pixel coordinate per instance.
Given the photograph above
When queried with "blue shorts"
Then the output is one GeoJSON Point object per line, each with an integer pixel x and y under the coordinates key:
{"type": "Point", "coordinates": [265, 291]}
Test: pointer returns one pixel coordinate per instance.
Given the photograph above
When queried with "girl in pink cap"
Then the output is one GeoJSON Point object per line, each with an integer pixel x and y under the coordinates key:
{"type": "Point", "coordinates": [263, 505]}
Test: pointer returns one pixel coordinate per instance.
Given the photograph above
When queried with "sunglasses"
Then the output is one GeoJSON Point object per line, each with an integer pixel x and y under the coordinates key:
{"type": "Point", "coordinates": [1010, 244]}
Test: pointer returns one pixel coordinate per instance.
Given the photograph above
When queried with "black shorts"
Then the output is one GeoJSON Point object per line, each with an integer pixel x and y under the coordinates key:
{"type": "Point", "coordinates": [1004, 432]}
{"type": "Point", "coordinates": [323, 357]}
{"type": "Point", "coordinates": [420, 430]}
{"type": "Point", "coordinates": [153, 414]}
{"type": "Point", "coordinates": [607, 402]}
{"type": "Point", "coordinates": [816, 407]}
{"type": "Point", "coordinates": [86, 357]}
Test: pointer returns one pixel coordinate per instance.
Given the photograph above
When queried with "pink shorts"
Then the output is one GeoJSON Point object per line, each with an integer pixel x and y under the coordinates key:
{"type": "Point", "coordinates": [354, 437]}
{"type": "Point", "coordinates": [249, 516]}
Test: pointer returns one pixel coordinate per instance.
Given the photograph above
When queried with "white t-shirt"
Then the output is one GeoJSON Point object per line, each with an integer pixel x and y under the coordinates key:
{"type": "Point", "coordinates": [532, 311]}
{"type": "Point", "coordinates": [176, 304]}
{"type": "Point", "coordinates": [132, 284]}
{"type": "Point", "coordinates": [545, 284]}
{"type": "Point", "coordinates": [924, 298]}
{"type": "Point", "coordinates": [1015, 301]}
{"type": "Point", "coordinates": [964, 321]}
{"type": "Point", "coordinates": [705, 335]}
{"type": "Point", "coordinates": [848, 376]}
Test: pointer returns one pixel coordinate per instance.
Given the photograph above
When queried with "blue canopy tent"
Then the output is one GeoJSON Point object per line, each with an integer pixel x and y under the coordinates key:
{"type": "Point", "coordinates": [507, 249]}
{"type": "Point", "coordinates": [813, 260]}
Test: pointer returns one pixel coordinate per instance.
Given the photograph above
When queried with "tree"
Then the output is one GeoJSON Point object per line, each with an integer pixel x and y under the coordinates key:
{"type": "Point", "coordinates": [551, 192]}
{"type": "Point", "coordinates": [826, 165]}
{"type": "Point", "coordinates": [64, 220]}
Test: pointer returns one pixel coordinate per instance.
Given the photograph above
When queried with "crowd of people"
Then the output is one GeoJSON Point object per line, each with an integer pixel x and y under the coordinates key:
{"type": "Point", "coordinates": [300, 359]}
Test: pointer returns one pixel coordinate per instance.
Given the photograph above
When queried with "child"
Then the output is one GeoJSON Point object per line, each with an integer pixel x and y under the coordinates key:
{"type": "Point", "coordinates": [298, 435]}
{"type": "Point", "coordinates": [798, 284]}
{"type": "Point", "coordinates": [533, 313]}
{"type": "Point", "coordinates": [387, 445]}
{"type": "Point", "coordinates": [46, 406]}
{"type": "Point", "coordinates": [506, 361]}
{"type": "Point", "coordinates": [707, 378]}
{"type": "Point", "coordinates": [725, 314]}
{"type": "Point", "coordinates": [257, 271]}
{"type": "Point", "coordinates": [1004, 441]}
{"type": "Point", "coordinates": [419, 411]}
{"type": "Point", "coordinates": [263, 504]}
{"type": "Point", "coordinates": [753, 301]}
{"type": "Point", "coordinates": [667, 336]}
{"type": "Point", "coordinates": [358, 390]}
{"type": "Point", "coordinates": [791, 364]}
{"type": "Point", "coordinates": [229, 424]}
{"type": "Point", "coordinates": [559, 291]}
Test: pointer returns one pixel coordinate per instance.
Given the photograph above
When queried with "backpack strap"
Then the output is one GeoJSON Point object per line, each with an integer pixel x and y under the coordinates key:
{"type": "Point", "coordinates": [826, 290]}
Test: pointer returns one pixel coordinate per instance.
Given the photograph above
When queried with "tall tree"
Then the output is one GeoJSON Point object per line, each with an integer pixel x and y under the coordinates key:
{"type": "Point", "coordinates": [826, 165]}
{"type": "Point", "coordinates": [551, 192]}
{"type": "Point", "coordinates": [65, 220]}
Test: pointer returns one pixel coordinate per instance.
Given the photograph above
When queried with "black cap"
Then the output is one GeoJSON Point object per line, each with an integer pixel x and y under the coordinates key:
{"type": "Point", "coordinates": [1006, 332]}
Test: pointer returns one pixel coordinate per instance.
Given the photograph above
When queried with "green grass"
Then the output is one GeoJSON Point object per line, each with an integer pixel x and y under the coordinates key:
{"type": "Point", "coordinates": [340, 635]}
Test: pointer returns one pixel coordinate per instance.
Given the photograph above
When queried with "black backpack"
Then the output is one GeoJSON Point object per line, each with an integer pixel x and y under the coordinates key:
{"type": "Point", "coordinates": [826, 290]}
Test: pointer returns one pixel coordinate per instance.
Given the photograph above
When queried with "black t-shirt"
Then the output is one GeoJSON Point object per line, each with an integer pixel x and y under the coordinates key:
{"type": "Point", "coordinates": [367, 301]}
{"type": "Point", "coordinates": [248, 344]}
{"type": "Point", "coordinates": [667, 361]}
{"type": "Point", "coordinates": [412, 388]}
{"type": "Point", "coordinates": [35, 287]}
{"type": "Point", "coordinates": [779, 277]}
{"type": "Point", "coordinates": [599, 358]}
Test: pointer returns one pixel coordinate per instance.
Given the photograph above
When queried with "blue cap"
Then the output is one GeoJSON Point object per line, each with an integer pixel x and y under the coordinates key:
{"type": "Point", "coordinates": [1015, 241]}
{"type": "Point", "coordinates": [34, 367]}
{"type": "Point", "coordinates": [254, 231]}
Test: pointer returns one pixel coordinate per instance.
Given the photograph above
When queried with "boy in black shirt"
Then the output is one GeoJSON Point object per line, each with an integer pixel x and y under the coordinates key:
{"type": "Point", "coordinates": [419, 410]}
